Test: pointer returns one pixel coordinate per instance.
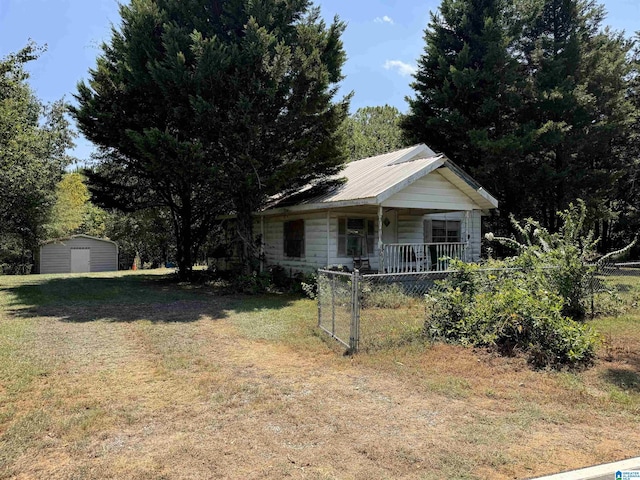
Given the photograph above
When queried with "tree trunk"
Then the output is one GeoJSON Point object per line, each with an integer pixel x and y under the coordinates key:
{"type": "Point", "coordinates": [184, 242]}
{"type": "Point", "coordinates": [244, 231]}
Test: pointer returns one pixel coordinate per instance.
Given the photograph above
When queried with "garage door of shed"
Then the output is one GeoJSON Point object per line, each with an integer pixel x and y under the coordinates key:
{"type": "Point", "coordinates": [80, 260]}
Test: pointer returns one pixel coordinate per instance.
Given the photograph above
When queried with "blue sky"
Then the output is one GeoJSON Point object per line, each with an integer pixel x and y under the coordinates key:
{"type": "Point", "coordinates": [383, 41]}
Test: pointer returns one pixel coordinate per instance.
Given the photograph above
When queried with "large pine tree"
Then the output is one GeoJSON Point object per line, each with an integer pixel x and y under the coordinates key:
{"type": "Point", "coordinates": [577, 98]}
{"type": "Point", "coordinates": [531, 98]}
{"type": "Point", "coordinates": [212, 106]}
{"type": "Point", "coordinates": [467, 93]}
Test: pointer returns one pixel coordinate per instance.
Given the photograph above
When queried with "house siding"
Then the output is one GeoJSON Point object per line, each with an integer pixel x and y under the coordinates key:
{"type": "Point", "coordinates": [56, 257]}
{"type": "Point", "coordinates": [317, 254]}
{"type": "Point", "coordinates": [433, 191]}
{"type": "Point", "coordinates": [315, 242]}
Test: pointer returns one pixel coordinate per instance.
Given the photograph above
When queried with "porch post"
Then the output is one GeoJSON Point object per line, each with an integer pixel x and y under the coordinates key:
{"type": "Point", "coordinates": [380, 245]}
{"type": "Point", "coordinates": [262, 243]}
{"type": "Point", "coordinates": [328, 238]}
{"type": "Point", "coordinates": [467, 253]}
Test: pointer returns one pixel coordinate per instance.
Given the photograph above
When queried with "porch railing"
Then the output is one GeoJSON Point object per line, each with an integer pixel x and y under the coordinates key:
{"type": "Point", "coordinates": [421, 257]}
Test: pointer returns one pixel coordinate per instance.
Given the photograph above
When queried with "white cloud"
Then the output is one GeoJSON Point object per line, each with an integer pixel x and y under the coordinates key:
{"type": "Point", "coordinates": [402, 68]}
{"type": "Point", "coordinates": [384, 19]}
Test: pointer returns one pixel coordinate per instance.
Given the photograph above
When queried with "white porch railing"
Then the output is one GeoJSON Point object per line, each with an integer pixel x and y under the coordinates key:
{"type": "Point", "coordinates": [421, 257]}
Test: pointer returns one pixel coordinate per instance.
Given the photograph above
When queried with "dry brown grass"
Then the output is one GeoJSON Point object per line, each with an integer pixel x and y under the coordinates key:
{"type": "Point", "coordinates": [159, 381]}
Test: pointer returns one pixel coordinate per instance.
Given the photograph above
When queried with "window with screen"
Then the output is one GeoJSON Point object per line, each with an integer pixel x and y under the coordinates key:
{"type": "Point", "coordinates": [355, 236]}
{"type": "Point", "coordinates": [294, 238]}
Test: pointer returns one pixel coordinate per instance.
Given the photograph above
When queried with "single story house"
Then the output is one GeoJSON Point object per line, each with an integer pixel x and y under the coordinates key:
{"type": "Point", "coordinates": [404, 211]}
{"type": "Point", "coordinates": [78, 254]}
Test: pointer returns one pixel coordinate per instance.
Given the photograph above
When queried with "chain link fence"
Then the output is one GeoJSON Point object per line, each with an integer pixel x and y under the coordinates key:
{"type": "Point", "coordinates": [377, 311]}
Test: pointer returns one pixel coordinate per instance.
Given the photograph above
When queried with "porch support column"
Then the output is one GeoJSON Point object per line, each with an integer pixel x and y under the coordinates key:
{"type": "Point", "coordinates": [328, 237]}
{"type": "Point", "coordinates": [380, 245]}
{"type": "Point", "coordinates": [261, 243]}
{"type": "Point", "coordinates": [467, 248]}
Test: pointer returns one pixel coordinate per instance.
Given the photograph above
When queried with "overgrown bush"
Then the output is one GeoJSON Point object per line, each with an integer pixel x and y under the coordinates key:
{"type": "Point", "coordinates": [563, 262]}
{"type": "Point", "coordinates": [509, 312]}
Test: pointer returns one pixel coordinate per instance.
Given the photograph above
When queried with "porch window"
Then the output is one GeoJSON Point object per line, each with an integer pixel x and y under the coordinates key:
{"type": "Point", "coordinates": [355, 236]}
{"type": "Point", "coordinates": [294, 239]}
{"type": "Point", "coordinates": [445, 231]}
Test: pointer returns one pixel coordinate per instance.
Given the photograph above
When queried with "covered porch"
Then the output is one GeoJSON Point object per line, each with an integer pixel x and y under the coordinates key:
{"type": "Point", "coordinates": [401, 240]}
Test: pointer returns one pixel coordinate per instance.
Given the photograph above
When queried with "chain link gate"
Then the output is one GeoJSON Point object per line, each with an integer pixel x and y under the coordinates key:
{"type": "Point", "coordinates": [339, 307]}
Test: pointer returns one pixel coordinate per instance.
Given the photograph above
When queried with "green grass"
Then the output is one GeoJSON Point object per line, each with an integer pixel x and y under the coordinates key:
{"type": "Point", "coordinates": [88, 364]}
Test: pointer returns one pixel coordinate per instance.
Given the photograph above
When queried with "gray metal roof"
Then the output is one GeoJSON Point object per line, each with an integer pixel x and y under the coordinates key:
{"type": "Point", "coordinates": [373, 179]}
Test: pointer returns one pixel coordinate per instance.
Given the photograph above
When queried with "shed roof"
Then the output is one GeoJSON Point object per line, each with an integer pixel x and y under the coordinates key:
{"type": "Point", "coordinates": [372, 180]}
{"type": "Point", "coordinates": [79, 235]}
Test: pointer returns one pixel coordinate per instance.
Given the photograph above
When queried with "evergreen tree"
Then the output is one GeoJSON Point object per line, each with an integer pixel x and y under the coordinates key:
{"type": "Point", "coordinates": [576, 97]}
{"type": "Point", "coordinates": [467, 94]}
{"type": "Point", "coordinates": [373, 131]}
{"type": "Point", "coordinates": [206, 107]}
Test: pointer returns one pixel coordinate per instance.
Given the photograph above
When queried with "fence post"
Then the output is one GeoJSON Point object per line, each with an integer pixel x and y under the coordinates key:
{"type": "Point", "coordinates": [319, 297]}
{"type": "Point", "coordinates": [333, 305]}
{"type": "Point", "coordinates": [354, 339]}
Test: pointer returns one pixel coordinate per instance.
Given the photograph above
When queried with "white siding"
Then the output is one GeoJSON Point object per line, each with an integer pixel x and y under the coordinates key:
{"type": "Point", "coordinates": [432, 191]}
{"type": "Point", "coordinates": [410, 229]}
{"type": "Point", "coordinates": [56, 257]}
{"type": "Point", "coordinates": [315, 242]}
{"type": "Point", "coordinates": [317, 253]}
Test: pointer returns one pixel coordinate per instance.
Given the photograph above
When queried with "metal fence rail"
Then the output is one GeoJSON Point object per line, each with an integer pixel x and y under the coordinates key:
{"type": "Point", "coordinates": [367, 312]}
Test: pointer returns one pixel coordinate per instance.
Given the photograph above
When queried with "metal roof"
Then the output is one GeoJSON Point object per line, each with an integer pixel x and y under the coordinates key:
{"type": "Point", "coordinates": [78, 235]}
{"type": "Point", "coordinates": [373, 179]}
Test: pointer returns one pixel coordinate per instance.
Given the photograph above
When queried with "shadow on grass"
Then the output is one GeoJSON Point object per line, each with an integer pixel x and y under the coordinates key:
{"type": "Point", "coordinates": [623, 379]}
{"type": "Point", "coordinates": [128, 298]}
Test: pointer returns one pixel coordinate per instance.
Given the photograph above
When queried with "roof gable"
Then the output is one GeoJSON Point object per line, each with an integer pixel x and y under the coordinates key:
{"type": "Point", "coordinates": [374, 180]}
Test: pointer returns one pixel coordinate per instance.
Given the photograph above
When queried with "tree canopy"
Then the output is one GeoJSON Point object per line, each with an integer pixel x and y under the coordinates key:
{"type": "Point", "coordinates": [209, 107]}
{"type": "Point", "coordinates": [535, 92]}
{"type": "Point", "coordinates": [33, 141]}
{"type": "Point", "coordinates": [373, 131]}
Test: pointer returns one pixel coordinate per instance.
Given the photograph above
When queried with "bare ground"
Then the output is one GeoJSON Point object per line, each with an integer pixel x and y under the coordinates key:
{"type": "Point", "coordinates": [153, 397]}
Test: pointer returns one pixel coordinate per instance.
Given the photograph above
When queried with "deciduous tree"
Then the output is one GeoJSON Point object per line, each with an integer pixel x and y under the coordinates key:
{"type": "Point", "coordinates": [373, 131]}
{"type": "Point", "coordinates": [33, 143]}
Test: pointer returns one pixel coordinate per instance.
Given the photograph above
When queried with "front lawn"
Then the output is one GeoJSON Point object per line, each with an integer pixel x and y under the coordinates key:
{"type": "Point", "coordinates": [131, 375]}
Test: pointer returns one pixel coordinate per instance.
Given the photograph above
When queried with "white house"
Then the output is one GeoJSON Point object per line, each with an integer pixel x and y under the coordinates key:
{"type": "Point", "coordinates": [78, 254]}
{"type": "Point", "coordinates": [406, 210]}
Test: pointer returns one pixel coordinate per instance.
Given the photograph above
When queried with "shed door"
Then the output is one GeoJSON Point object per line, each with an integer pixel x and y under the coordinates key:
{"type": "Point", "coordinates": [80, 260]}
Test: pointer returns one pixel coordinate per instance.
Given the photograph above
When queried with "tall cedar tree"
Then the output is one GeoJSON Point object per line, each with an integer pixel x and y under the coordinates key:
{"type": "Point", "coordinates": [33, 143]}
{"type": "Point", "coordinates": [467, 93]}
{"type": "Point", "coordinates": [212, 106]}
{"type": "Point", "coordinates": [577, 97]}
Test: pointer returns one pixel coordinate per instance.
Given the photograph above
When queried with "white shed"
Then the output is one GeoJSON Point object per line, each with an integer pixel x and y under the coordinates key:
{"type": "Point", "coordinates": [78, 254]}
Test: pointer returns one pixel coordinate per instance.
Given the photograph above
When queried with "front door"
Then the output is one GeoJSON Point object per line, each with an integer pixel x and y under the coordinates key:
{"type": "Point", "coordinates": [80, 260]}
{"type": "Point", "coordinates": [390, 227]}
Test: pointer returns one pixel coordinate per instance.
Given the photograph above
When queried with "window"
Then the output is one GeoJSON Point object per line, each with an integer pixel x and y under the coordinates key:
{"type": "Point", "coordinates": [294, 238]}
{"type": "Point", "coordinates": [355, 236]}
{"type": "Point", "coordinates": [445, 231]}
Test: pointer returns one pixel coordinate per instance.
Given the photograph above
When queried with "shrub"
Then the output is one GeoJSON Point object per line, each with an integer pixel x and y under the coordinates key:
{"type": "Point", "coordinates": [563, 262]}
{"type": "Point", "coordinates": [509, 313]}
